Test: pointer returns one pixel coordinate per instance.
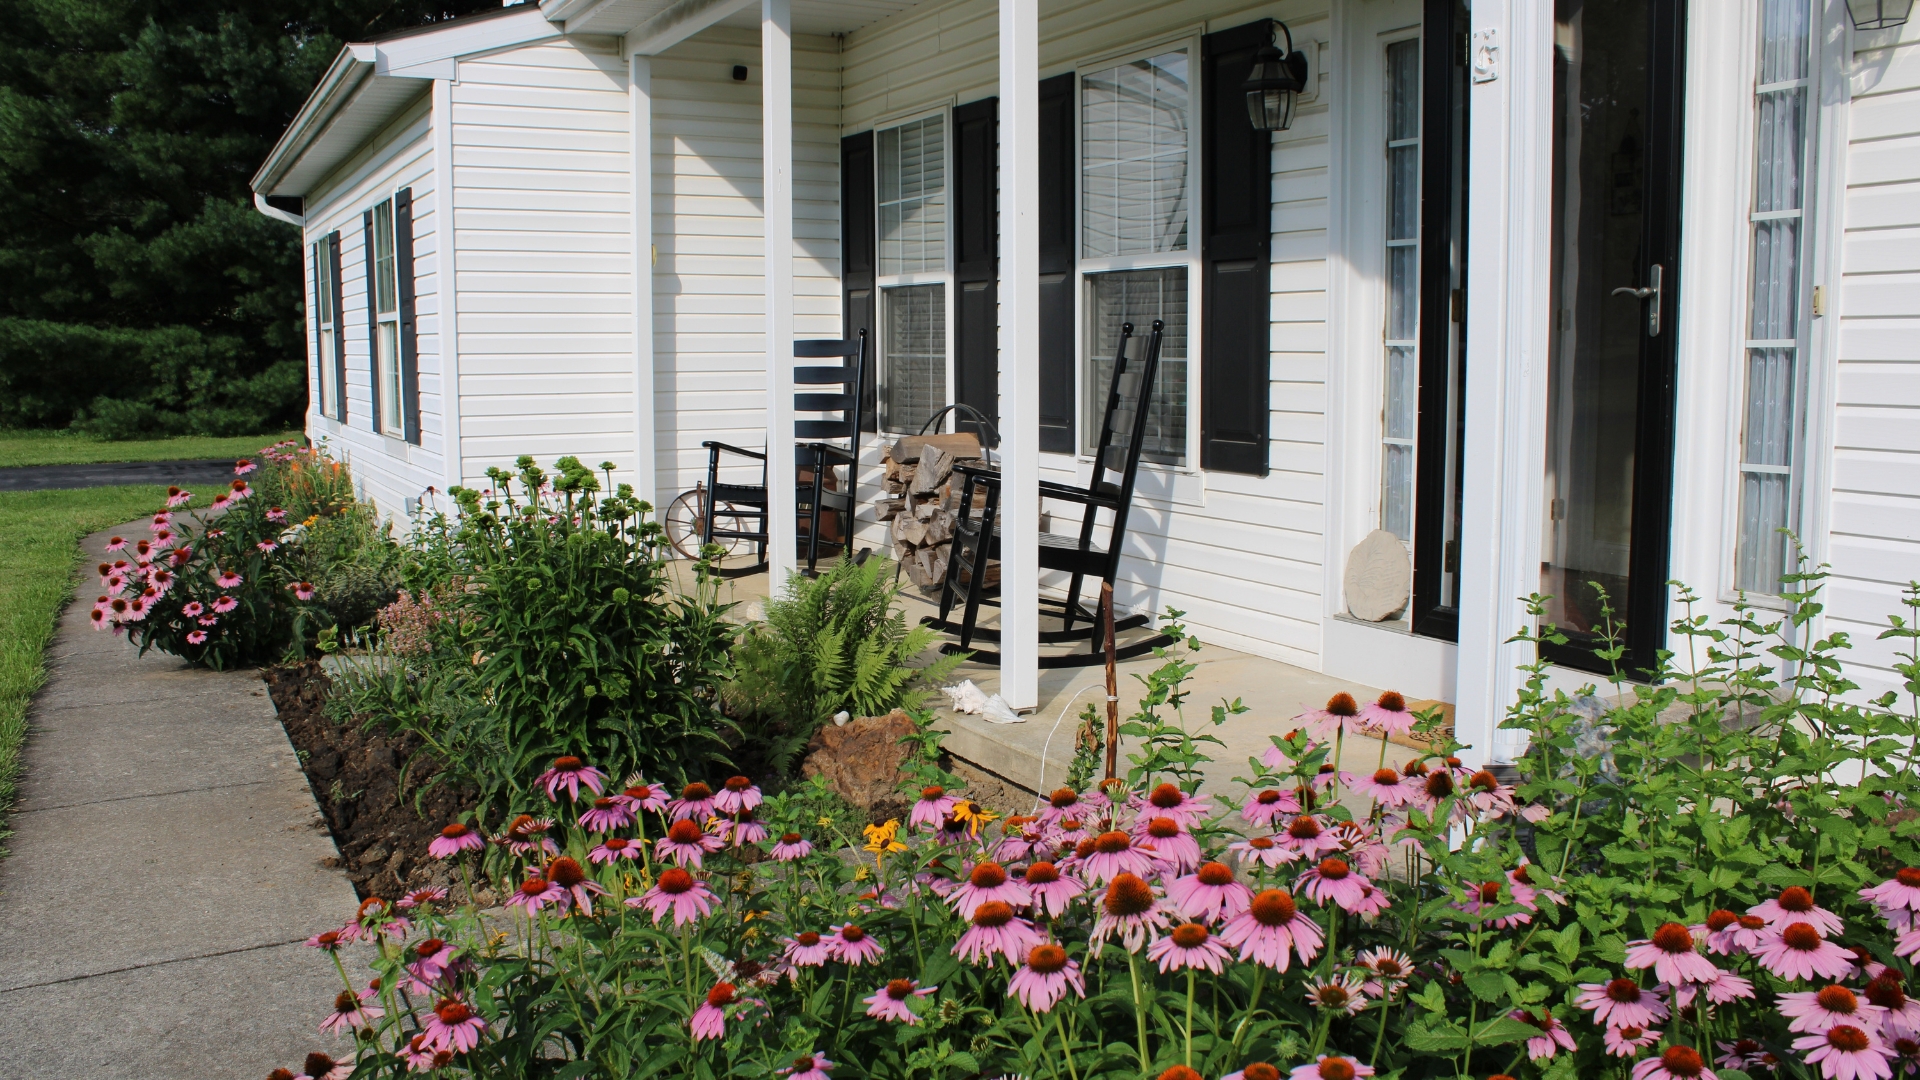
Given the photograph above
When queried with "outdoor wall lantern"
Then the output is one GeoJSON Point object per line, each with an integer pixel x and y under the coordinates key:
{"type": "Point", "coordinates": [1878, 14]}
{"type": "Point", "coordinates": [1277, 79]}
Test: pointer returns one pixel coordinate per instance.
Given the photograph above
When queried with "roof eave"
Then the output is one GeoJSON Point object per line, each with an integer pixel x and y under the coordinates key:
{"type": "Point", "coordinates": [351, 68]}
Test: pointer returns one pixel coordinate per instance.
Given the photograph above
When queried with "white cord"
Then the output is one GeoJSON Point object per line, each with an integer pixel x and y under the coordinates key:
{"type": "Point", "coordinates": [1041, 791]}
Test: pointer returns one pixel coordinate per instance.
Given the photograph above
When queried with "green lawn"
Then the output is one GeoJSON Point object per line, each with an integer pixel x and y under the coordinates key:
{"type": "Point", "coordinates": [60, 447]}
{"type": "Point", "coordinates": [40, 535]}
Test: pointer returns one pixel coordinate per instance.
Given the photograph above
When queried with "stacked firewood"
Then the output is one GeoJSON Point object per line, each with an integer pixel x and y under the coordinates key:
{"type": "Point", "coordinates": [922, 500]}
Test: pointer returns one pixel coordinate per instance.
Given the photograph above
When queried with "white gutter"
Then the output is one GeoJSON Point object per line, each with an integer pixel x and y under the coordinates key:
{"type": "Point", "coordinates": [298, 221]}
{"type": "Point", "coordinates": [350, 69]}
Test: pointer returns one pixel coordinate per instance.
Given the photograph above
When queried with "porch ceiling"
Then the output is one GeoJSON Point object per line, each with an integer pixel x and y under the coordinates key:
{"type": "Point", "coordinates": [823, 17]}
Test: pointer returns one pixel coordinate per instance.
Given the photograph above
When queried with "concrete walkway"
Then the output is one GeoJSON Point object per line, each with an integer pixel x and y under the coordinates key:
{"type": "Point", "coordinates": [165, 871]}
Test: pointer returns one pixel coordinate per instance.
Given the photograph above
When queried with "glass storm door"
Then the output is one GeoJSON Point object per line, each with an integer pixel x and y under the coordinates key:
{"type": "Point", "coordinates": [1616, 216]}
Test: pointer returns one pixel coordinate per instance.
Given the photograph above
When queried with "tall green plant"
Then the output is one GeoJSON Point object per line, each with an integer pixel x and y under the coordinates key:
{"type": "Point", "coordinates": [831, 643]}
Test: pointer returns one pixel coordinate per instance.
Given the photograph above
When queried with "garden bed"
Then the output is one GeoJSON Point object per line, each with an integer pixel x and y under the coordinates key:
{"type": "Point", "coordinates": [356, 777]}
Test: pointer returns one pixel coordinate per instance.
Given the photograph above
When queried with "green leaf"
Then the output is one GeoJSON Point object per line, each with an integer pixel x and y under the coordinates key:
{"type": "Point", "coordinates": [1488, 985]}
{"type": "Point", "coordinates": [1501, 1030]}
{"type": "Point", "coordinates": [1433, 1038]}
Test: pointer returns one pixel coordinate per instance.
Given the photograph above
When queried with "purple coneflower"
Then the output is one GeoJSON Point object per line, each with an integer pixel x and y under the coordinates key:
{"type": "Point", "coordinates": [452, 1026]}
{"type": "Point", "coordinates": [932, 808]}
{"type": "Point", "coordinates": [1899, 893]}
{"type": "Point", "coordinates": [605, 815]}
{"type": "Point", "coordinates": [1209, 893]}
{"type": "Point", "coordinates": [1729, 934]}
{"type": "Point", "coordinates": [1341, 711]}
{"type": "Point", "coordinates": [1795, 904]}
{"type": "Point", "coordinates": [1051, 890]}
{"type": "Point", "coordinates": [1170, 842]}
{"type": "Point", "coordinates": [807, 949]}
{"type": "Point", "coordinates": [350, 1014]}
{"type": "Point", "coordinates": [1333, 881]}
{"type": "Point", "coordinates": [1257, 1070]}
{"type": "Point", "coordinates": [267, 547]}
{"type": "Point", "coordinates": [1389, 788]}
{"type": "Point", "coordinates": [792, 847]}
{"type": "Point", "coordinates": [1902, 1017]}
{"type": "Point", "coordinates": [1305, 836]}
{"type": "Point", "coordinates": [710, 1019]}
{"type": "Point", "coordinates": [743, 829]}
{"type": "Point", "coordinates": [320, 1066]}
{"type": "Point", "coordinates": [1799, 951]}
{"type": "Point", "coordinates": [1725, 986]}
{"type": "Point", "coordinates": [222, 605]}
{"type": "Point", "coordinates": [678, 891]}
{"type": "Point", "coordinates": [1330, 1066]}
{"type": "Point", "coordinates": [536, 893]}
{"type": "Point", "coordinates": [1262, 851]}
{"type": "Point", "coordinates": [1341, 994]}
{"type": "Point", "coordinates": [1627, 1042]}
{"type": "Point", "coordinates": [1846, 1052]}
{"type": "Point", "coordinates": [432, 894]}
{"type": "Point", "coordinates": [737, 794]}
{"type": "Point", "coordinates": [1387, 715]}
{"type": "Point", "coordinates": [118, 543]}
{"type": "Point", "coordinates": [1669, 952]}
{"type": "Point", "coordinates": [570, 772]}
{"type": "Point", "coordinates": [996, 930]}
{"type": "Point", "coordinates": [1272, 930]}
{"type": "Point", "coordinates": [1021, 839]}
{"type": "Point", "coordinates": [640, 795]}
{"type": "Point", "coordinates": [1130, 911]}
{"type": "Point", "coordinates": [327, 941]}
{"type": "Point", "coordinates": [243, 467]}
{"type": "Point", "coordinates": [239, 490]}
{"type": "Point", "coordinates": [453, 840]}
{"type": "Point", "coordinates": [1621, 1003]}
{"type": "Point", "coordinates": [196, 637]}
{"type": "Point", "coordinates": [1189, 945]}
{"type": "Point", "coordinates": [1113, 854]}
{"type": "Point", "coordinates": [1167, 800]}
{"type": "Point", "coordinates": [613, 848]}
{"type": "Point", "coordinates": [1744, 1054]}
{"type": "Point", "coordinates": [987, 881]}
{"type": "Point", "coordinates": [811, 1067]}
{"type": "Point", "coordinates": [1553, 1038]}
{"type": "Point", "coordinates": [302, 590]}
{"type": "Point", "coordinates": [1266, 806]}
{"type": "Point", "coordinates": [686, 843]}
{"type": "Point", "coordinates": [1487, 794]}
{"type": "Point", "coordinates": [1815, 1011]}
{"type": "Point", "coordinates": [526, 834]}
{"type": "Point", "coordinates": [276, 515]}
{"type": "Point", "coordinates": [1068, 831]}
{"type": "Point", "coordinates": [1386, 970]}
{"type": "Point", "coordinates": [890, 1001]}
{"type": "Point", "coordinates": [569, 875]}
{"type": "Point", "coordinates": [1045, 978]}
{"type": "Point", "coordinates": [853, 946]}
{"type": "Point", "coordinates": [695, 803]}
{"type": "Point", "coordinates": [226, 579]}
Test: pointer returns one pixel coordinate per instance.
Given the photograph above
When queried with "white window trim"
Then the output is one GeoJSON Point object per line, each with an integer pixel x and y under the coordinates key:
{"type": "Point", "coordinates": [1084, 267]}
{"type": "Point", "coordinates": [322, 327]}
{"type": "Point", "coordinates": [944, 277]}
{"type": "Point", "coordinates": [397, 428]}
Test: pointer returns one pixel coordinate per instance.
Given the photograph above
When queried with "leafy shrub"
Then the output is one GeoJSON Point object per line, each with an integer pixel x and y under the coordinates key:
{"type": "Point", "coordinates": [830, 643]}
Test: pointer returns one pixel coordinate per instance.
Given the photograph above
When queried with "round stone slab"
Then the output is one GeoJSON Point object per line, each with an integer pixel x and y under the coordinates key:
{"type": "Point", "coordinates": [1379, 576]}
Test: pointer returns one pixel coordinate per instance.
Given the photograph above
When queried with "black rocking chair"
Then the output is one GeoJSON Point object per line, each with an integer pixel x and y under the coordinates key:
{"type": "Point", "coordinates": [817, 459]}
{"type": "Point", "coordinates": [976, 539]}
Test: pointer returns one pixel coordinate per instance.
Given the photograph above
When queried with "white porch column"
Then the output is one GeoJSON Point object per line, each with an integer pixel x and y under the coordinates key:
{"type": "Point", "coordinates": [776, 152]}
{"type": "Point", "coordinates": [640, 154]}
{"type": "Point", "coordinates": [1508, 320]}
{"type": "Point", "coordinates": [446, 287]}
{"type": "Point", "coordinates": [1019, 352]}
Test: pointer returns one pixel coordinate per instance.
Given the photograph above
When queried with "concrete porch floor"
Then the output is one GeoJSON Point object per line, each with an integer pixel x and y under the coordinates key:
{"type": "Point", "coordinates": [1033, 756]}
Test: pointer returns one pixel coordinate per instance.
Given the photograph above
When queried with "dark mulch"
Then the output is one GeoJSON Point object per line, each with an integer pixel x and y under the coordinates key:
{"type": "Point", "coordinates": [355, 776]}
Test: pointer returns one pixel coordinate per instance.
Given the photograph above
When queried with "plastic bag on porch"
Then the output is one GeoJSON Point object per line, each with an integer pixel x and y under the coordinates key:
{"type": "Point", "coordinates": [969, 698]}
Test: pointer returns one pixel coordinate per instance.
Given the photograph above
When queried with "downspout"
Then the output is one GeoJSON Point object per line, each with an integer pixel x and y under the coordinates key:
{"type": "Point", "coordinates": [260, 203]}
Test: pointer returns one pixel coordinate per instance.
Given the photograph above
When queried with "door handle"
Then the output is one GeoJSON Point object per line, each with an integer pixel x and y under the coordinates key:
{"type": "Point", "coordinates": [1651, 293]}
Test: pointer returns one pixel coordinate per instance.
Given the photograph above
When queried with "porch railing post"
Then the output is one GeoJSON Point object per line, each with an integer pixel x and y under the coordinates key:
{"type": "Point", "coordinates": [1019, 351]}
{"type": "Point", "coordinates": [776, 150]}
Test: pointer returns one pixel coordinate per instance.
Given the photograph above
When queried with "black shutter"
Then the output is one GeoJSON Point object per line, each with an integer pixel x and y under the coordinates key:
{"type": "Point", "coordinates": [1057, 188]}
{"type": "Point", "coordinates": [317, 315]}
{"type": "Point", "coordinates": [1236, 229]}
{"type": "Point", "coordinates": [976, 247]}
{"type": "Point", "coordinates": [339, 335]}
{"type": "Point", "coordinates": [409, 330]}
{"type": "Point", "coordinates": [857, 300]}
{"type": "Point", "coordinates": [373, 324]}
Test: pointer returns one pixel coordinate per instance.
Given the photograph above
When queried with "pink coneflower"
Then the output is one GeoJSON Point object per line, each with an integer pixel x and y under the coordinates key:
{"type": "Point", "coordinates": [1045, 978]}
{"type": "Point", "coordinates": [890, 1001]}
{"type": "Point", "coordinates": [1173, 844]}
{"type": "Point", "coordinates": [932, 808]}
{"type": "Point", "coordinates": [276, 515]}
{"type": "Point", "coordinates": [1305, 836]}
{"type": "Point", "coordinates": [1189, 945]}
{"type": "Point", "coordinates": [1264, 852]}
{"type": "Point", "coordinates": [196, 637]}
{"type": "Point", "coordinates": [996, 930]}
{"type": "Point", "coordinates": [321, 1066]}
{"type": "Point", "coordinates": [118, 543]}
{"type": "Point", "coordinates": [536, 893]}
{"type": "Point", "coordinates": [1387, 715]}
{"type": "Point", "coordinates": [1068, 831]}
{"type": "Point", "coordinates": [1341, 994]}
{"type": "Point", "coordinates": [570, 772]}
{"type": "Point", "coordinates": [1902, 1016]}
{"type": "Point", "coordinates": [737, 794]}
{"type": "Point", "coordinates": [569, 875]}
{"type": "Point", "coordinates": [302, 590]}
{"type": "Point", "coordinates": [1063, 803]}
{"type": "Point", "coordinates": [1621, 1003]}
{"type": "Point", "coordinates": [162, 579]}
{"type": "Point", "coordinates": [853, 946]}
{"type": "Point", "coordinates": [267, 547]}
{"type": "Point", "coordinates": [1745, 1054]}
{"type": "Point", "coordinates": [1130, 911]}
{"type": "Point", "coordinates": [178, 497]}
{"type": "Point", "coordinates": [452, 1026]}
{"type": "Point", "coordinates": [742, 829]}
{"type": "Point", "coordinates": [239, 490]}
{"type": "Point", "coordinates": [1553, 1037]}
{"type": "Point", "coordinates": [226, 579]}
{"type": "Point", "coordinates": [1333, 881]}
{"type": "Point", "coordinates": [208, 620]}
{"type": "Point", "coordinates": [220, 502]}
{"type": "Point", "coordinates": [327, 941]}
{"type": "Point", "coordinates": [807, 949]}
{"type": "Point", "coordinates": [1022, 839]}
{"type": "Point", "coordinates": [694, 804]}
{"type": "Point", "coordinates": [432, 958]}
{"type": "Point", "coordinates": [1845, 1052]}
{"type": "Point", "coordinates": [1799, 951]}
{"type": "Point", "coordinates": [1272, 930]}
{"type": "Point", "coordinates": [1718, 931]}
{"type": "Point", "coordinates": [811, 1067]}
{"type": "Point", "coordinates": [1795, 904]}
{"type": "Point", "coordinates": [605, 815]}
{"type": "Point", "coordinates": [224, 604]}
{"type": "Point", "coordinates": [640, 795]}
{"type": "Point", "coordinates": [350, 1014]}
{"type": "Point", "coordinates": [792, 848]}
{"type": "Point", "coordinates": [1669, 952]}
{"type": "Point", "coordinates": [1051, 890]}
{"type": "Point", "coordinates": [1725, 986]}
{"type": "Point", "coordinates": [678, 891]}
{"type": "Point", "coordinates": [1258, 1070]}
{"type": "Point", "coordinates": [1167, 800]}
{"type": "Point", "coordinates": [1113, 854]}
{"type": "Point", "coordinates": [686, 843]}
{"type": "Point", "coordinates": [1210, 893]}
{"type": "Point", "coordinates": [527, 834]}
{"type": "Point", "coordinates": [1487, 895]}
{"type": "Point", "coordinates": [710, 1019]}
{"type": "Point", "coordinates": [1267, 806]}
{"type": "Point", "coordinates": [453, 840]}
{"type": "Point", "coordinates": [1899, 893]}
{"type": "Point", "coordinates": [1341, 711]}
{"type": "Point", "coordinates": [987, 881]}
{"type": "Point", "coordinates": [1388, 788]}
{"type": "Point", "coordinates": [1627, 1042]}
{"type": "Point", "coordinates": [243, 467]}
{"type": "Point", "coordinates": [432, 894]}
{"type": "Point", "coordinates": [1330, 1066]}
{"type": "Point", "coordinates": [1386, 969]}
{"type": "Point", "coordinates": [1485, 793]}
{"type": "Point", "coordinates": [1815, 1011]}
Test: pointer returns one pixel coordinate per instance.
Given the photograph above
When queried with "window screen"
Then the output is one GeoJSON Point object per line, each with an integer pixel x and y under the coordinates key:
{"type": "Point", "coordinates": [1134, 121]}
{"type": "Point", "coordinates": [913, 376]}
{"type": "Point", "coordinates": [1139, 297]}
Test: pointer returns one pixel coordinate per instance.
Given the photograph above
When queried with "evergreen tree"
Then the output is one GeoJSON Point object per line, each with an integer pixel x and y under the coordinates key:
{"type": "Point", "coordinates": [139, 288]}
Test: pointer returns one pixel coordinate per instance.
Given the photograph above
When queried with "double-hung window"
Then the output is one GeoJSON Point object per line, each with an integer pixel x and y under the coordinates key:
{"type": "Point", "coordinates": [326, 313]}
{"type": "Point", "coordinates": [385, 296]}
{"type": "Point", "coordinates": [913, 272]}
{"type": "Point", "coordinates": [1402, 373]}
{"type": "Point", "coordinates": [1770, 455]}
{"type": "Point", "coordinates": [1137, 150]}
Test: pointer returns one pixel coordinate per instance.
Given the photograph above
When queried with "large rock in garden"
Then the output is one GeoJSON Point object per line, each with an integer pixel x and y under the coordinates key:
{"type": "Point", "coordinates": [861, 760]}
